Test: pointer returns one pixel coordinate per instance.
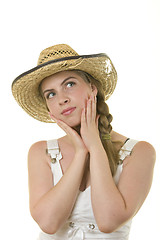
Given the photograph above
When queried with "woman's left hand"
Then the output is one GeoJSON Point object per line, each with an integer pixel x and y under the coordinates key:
{"type": "Point", "coordinates": [89, 123]}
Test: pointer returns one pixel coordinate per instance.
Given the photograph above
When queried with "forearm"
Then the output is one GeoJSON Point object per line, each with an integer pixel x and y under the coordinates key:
{"type": "Point", "coordinates": [54, 208]}
{"type": "Point", "coordinates": [107, 201]}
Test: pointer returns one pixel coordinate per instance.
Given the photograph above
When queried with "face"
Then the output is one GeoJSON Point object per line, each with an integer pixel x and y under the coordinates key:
{"type": "Point", "coordinates": [66, 94]}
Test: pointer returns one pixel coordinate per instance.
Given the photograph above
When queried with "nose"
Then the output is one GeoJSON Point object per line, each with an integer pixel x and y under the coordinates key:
{"type": "Point", "coordinates": [63, 99]}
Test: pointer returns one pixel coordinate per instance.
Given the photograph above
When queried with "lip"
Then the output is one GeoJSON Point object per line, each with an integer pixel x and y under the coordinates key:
{"type": "Point", "coordinates": [68, 111]}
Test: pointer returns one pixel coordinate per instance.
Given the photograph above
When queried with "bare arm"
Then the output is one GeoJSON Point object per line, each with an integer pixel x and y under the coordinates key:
{"type": "Point", "coordinates": [51, 206]}
{"type": "Point", "coordinates": [114, 205]}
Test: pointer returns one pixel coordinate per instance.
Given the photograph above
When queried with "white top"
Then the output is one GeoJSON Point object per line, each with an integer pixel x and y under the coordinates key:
{"type": "Point", "coordinates": [81, 223]}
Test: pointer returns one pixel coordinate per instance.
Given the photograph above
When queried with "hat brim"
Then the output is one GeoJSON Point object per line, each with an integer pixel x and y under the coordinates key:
{"type": "Point", "coordinates": [25, 87]}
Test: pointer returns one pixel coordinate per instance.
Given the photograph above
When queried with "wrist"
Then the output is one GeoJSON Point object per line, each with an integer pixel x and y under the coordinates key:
{"type": "Point", "coordinates": [96, 144]}
{"type": "Point", "coordinates": [97, 150]}
{"type": "Point", "coordinates": [81, 152]}
{"type": "Point", "coordinates": [81, 157]}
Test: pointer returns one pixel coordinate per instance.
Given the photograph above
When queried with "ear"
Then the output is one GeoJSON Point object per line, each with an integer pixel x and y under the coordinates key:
{"type": "Point", "coordinates": [94, 89]}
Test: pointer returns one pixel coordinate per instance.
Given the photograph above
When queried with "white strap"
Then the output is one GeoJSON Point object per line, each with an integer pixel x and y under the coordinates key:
{"type": "Point", "coordinates": [126, 150]}
{"type": "Point", "coordinates": [53, 150]}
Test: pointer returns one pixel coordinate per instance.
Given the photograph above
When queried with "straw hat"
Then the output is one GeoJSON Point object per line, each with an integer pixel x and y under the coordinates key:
{"type": "Point", "coordinates": [61, 57]}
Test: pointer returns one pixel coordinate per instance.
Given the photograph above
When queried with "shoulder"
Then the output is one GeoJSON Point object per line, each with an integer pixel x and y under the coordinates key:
{"type": "Point", "coordinates": [142, 154]}
{"type": "Point", "coordinates": [141, 147]}
{"type": "Point", "coordinates": [37, 152]}
{"type": "Point", "coordinates": [142, 150]}
{"type": "Point", "coordinates": [38, 147]}
{"type": "Point", "coordinates": [145, 150]}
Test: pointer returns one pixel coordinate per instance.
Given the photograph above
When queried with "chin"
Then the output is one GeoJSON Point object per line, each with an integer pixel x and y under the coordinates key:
{"type": "Point", "coordinates": [73, 123]}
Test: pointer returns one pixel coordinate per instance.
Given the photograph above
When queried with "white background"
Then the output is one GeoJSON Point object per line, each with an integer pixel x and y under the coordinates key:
{"type": "Point", "coordinates": [129, 32]}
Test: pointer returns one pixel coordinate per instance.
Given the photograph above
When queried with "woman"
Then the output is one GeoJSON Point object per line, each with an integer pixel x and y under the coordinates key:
{"type": "Point", "coordinates": [90, 183]}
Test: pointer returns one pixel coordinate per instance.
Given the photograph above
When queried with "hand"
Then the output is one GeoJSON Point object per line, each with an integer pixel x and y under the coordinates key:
{"type": "Point", "coordinates": [89, 123]}
{"type": "Point", "coordinates": [75, 138]}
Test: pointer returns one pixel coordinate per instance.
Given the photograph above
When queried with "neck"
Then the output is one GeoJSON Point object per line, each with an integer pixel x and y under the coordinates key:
{"type": "Point", "coordinates": [66, 138]}
{"type": "Point", "coordinates": [77, 129]}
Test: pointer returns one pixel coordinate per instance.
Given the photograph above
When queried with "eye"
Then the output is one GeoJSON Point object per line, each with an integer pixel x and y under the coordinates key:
{"type": "Point", "coordinates": [70, 84]}
{"type": "Point", "coordinates": [50, 95]}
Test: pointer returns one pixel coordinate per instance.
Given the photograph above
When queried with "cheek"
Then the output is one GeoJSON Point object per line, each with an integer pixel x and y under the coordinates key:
{"type": "Point", "coordinates": [82, 97]}
{"type": "Point", "coordinates": [51, 107]}
{"type": "Point", "coordinates": [48, 105]}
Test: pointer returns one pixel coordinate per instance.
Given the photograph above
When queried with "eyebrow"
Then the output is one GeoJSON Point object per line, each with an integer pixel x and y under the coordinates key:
{"type": "Point", "coordinates": [48, 90]}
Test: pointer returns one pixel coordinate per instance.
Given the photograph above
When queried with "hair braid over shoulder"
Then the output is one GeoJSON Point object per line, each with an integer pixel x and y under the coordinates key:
{"type": "Point", "coordinates": [105, 127]}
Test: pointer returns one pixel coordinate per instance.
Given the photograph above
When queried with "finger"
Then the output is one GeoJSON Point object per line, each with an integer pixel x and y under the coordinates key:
{"type": "Point", "coordinates": [61, 124]}
{"type": "Point", "coordinates": [83, 116]}
{"type": "Point", "coordinates": [97, 118]}
{"type": "Point", "coordinates": [94, 108]}
{"type": "Point", "coordinates": [69, 131]}
{"type": "Point", "coordinates": [89, 111]}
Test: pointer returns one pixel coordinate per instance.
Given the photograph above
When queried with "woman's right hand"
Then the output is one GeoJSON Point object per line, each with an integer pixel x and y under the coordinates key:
{"type": "Point", "coordinates": [74, 137]}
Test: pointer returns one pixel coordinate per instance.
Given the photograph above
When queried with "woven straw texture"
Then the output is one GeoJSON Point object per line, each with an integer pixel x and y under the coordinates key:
{"type": "Point", "coordinates": [25, 88]}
